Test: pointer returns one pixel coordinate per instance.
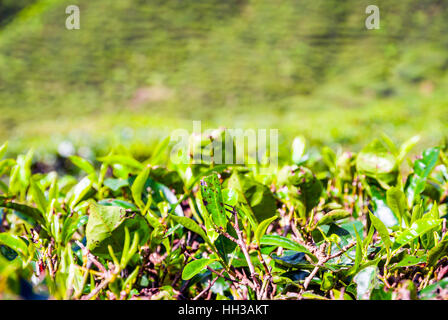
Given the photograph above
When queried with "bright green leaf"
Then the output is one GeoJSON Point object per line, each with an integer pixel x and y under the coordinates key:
{"type": "Point", "coordinates": [195, 267]}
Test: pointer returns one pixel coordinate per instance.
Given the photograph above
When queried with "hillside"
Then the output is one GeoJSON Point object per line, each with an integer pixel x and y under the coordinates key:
{"type": "Point", "coordinates": [307, 67]}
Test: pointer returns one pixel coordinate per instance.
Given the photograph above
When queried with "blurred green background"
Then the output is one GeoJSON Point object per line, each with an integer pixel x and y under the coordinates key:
{"type": "Point", "coordinates": [138, 69]}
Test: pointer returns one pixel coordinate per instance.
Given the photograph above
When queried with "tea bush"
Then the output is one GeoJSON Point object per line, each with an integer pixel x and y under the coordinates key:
{"type": "Point", "coordinates": [331, 225]}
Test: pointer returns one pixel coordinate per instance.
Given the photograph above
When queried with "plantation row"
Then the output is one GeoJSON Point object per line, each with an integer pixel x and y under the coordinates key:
{"type": "Point", "coordinates": [325, 226]}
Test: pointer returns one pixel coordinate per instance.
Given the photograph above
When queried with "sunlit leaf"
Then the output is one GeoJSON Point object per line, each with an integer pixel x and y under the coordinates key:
{"type": "Point", "coordinates": [195, 267]}
{"type": "Point", "coordinates": [417, 229]}
{"type": "Point", "coordinates": [262, 229]}
{"type": "Point", "coordinates": [333, 216]}
{"type": "Point", "coordinates": [376, 161]}
{"type": "Point", "coordinates": [422, 169]}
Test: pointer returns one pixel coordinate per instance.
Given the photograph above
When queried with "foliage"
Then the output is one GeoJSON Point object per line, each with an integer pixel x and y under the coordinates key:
{"type": "Point", "coordinates": [322, 227]}
{"type": "Point", "coordinates": [137, 67]}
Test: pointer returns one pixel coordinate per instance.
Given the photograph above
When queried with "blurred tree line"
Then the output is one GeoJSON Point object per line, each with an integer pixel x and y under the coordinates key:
{"type": "Point", "coordinates": [9, 8]}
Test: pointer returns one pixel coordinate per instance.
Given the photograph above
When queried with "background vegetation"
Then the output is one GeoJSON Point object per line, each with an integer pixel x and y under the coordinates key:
{"type": "Point", "coordinates": [307, 67]}
{"type": "Point", "coordinates": [92, 207]}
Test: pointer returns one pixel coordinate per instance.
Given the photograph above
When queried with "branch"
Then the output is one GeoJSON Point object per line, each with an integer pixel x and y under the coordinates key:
{"type": "Point", "coordinates": [243, 247]}
{"type": "Point", "coordinates": [210, 284]}
{"type": "Point", "coordinates": [91, 257]}
{"type": "Point", "coordinates": [321, 263]}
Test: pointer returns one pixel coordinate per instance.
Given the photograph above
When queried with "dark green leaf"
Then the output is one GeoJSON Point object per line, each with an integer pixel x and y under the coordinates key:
{"type": "Point", "coordinates": [28, 212]}
{"type": "Point", "coordinates": [14, 242]}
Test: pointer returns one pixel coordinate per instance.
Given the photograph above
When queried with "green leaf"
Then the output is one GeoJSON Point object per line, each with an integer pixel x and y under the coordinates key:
{"type": "Point", "coordinates": [310, 188]}
{"type": "Point", "coordinates": [417, 212]}
{"type": "Point", "coordinates": [169, 178]}
{"type": "Point", "coordinates": [279, 241]}
{"type": "Point", "coordinates": [433, 213]}
{"type": "Point", "coordinates": [71, 224]}
{"type": "Point", "coordinates": [408, 261]}
{"type": "Point", "coordinates": [106, 226]}
{"type": "Point", "coordinates": [116, 184]}
{"type": "Point", "coordinates": [428, 239]}
{"type": "Point", "coordinates": [21, 173]}
{"type": "Point", "coordinates": [216, 169]}
{"type": "Point", "coordinates": [406, 147]}
{"type": "Point", "coordinates": [14, 242]}
{"type": "Point", "coordinates": [29, 212]}
{"type": "Point", "coordinates": [79, 191]}
{"type": "Point", "coordinates": [195, 267]}
{"type": "Point", "coordinates": [359, 254]}
{"type": "Point", "coordinates": [118, 203]}
{"type": "Point", "coordinates": [422, 169]}
{"type": "Point", "coordinates": [161, 192]}
{"type": "Point", "coordinates": [103, 220]}
{"type": "Point", "coordinates": [138, 185]}
{"type": "Point", "coordinates": [82, 164]}
{"type": "Point", "coordinates": [291, 258]}
{"type": "Point", "coordinates": [261, 229]}
{"type": "Point", "coordinates": [396, 201]}
{"type": "Point", "coordinates": [417, 229]}
{"type": "Point", "coordinates": [431, 291]}
{"type": "Point", "coordinates": [158, 151]}
{"type": "Point", "coordinates": [438, 252]}
{"type": "Point", "coordinates": [377, 162]}
{"type": "Point", "coordinates": [123, 160]}
{"type": "Point", "coordinates": [230, 196]}
{"type": "Point", "coordinates": [224, 245]}
{"type": "Point", "coordinates": [382, 231]}
{"type": "Point", "coordinates": [382, 210]}
{"type": "Point", "coordinates": [368, 239]}
{"type": "Point", "coordinates": [191, 225]}
{"type": "Point", "coordinates": [213, 200]}
{"type": "Point", "coordinates": [390, 144]}
{"type": "Point", "coordinates": [333, 216]}
{"type": "Point", "coordinates": [3, 148]}
{"type": "Point", "coordinates": [38, 196]}
{"type": "Point", "coordinates": [257, 199]}
{"type": "Point", "coordinates": [329, 157]}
